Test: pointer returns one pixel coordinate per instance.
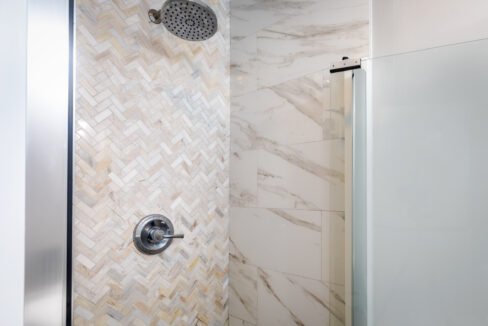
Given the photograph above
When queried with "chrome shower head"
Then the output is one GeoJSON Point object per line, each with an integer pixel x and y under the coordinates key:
{"type": "Point", "coordinates": [187, 19]}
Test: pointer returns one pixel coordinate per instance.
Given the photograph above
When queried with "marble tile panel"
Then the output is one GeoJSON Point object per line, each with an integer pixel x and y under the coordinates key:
{"type": "Point", "coordinates": [243, 178]}
{"type": "Point", "coordinates": [304, 44]}
{"type": "Point", "coordinates": [278, 239]}
{"type": "Point", "coordinates": [243, 291]}
{"type": "Point", "coordinates": [304, 176]}
{"type": "Point", "coordinates": [286, 300]}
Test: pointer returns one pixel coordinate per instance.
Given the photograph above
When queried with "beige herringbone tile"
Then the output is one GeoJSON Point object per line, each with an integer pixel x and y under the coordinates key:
{"type": "Point", "coordinates": [152, 132]}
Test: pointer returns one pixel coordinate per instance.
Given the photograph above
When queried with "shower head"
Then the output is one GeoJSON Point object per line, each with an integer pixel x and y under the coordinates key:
{"type": "Point", "coordinates": [187, 19]}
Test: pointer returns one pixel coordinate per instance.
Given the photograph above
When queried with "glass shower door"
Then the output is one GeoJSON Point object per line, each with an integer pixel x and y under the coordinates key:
{"type": "Point", "coordinates": [427, 187]}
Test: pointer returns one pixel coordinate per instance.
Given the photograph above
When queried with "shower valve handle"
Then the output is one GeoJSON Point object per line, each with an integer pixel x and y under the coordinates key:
{"type": "Point", "coordinates": [158, 234]}
{"type": "Point", "coordinates": [154, 233]}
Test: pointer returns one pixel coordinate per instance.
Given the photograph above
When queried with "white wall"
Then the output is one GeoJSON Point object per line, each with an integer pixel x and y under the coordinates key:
{"type": "Point", "coordinates": [406, 25]}
{"type": "Point", "coordinates": [13, 21]}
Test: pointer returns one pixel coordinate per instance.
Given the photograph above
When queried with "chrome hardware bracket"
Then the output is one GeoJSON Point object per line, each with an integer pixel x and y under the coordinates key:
{"type": "Point", "coordinates": [153, 234]}
{"type": "Point", "coordinates": [345, 64]}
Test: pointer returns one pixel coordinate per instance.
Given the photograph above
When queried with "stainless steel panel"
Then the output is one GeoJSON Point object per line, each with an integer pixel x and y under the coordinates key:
{"type": "Point", "coordinates": [47, 162]}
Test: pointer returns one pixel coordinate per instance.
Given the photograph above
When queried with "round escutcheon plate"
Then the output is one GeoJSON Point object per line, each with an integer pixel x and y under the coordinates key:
{"type": "Point", "coordinates": [142, 234]}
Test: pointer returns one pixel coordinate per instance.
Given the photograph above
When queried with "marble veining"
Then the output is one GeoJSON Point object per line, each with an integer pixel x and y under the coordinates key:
{"type": "Point", "coordinates": [306, 43]}
{"type": "Point", "coordinates": [289, 113]}
{"type": "Point", "coordinates": [293, 300]}
{"type": "Point", "coordinates": [265, 297]}
{"type": "Point", "coordinates": [306, 94]}
{"type": "Point", "coordinates": [305, 176]}
{"type": "Point", "coordinates": [243, 291]}
{"type": "Point", "coordinates": [250, 16]}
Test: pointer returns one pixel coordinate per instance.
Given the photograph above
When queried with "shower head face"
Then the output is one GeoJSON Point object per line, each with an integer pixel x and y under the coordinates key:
{"type": "Point", "coordinates": [189, 20]}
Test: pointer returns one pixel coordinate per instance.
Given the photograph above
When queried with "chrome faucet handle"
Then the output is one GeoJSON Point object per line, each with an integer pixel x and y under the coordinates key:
{"type": "Point", "coordinates": [158, 234]}
{"type": "Point", "coordinates": [154, 233]}
{"type": "Point", "coordinates": [174, 236]}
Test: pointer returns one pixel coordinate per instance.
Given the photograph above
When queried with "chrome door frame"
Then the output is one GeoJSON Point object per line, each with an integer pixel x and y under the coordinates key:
{"type": "Point", "coordinates": [49, 117]}
{"type": "Point", "coordinates": [353, 99]}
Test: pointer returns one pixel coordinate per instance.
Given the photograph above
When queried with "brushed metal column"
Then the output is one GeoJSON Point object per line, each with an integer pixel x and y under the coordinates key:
{"type": "Point", "coordinates": [48, 113]}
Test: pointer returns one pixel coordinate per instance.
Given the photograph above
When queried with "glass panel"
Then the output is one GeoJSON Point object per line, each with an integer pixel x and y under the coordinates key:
{"type": "Point", "coordinates": [340, 268]}
{"type": "Point", "coordinates": [359, 229]}
{"type": "Point", "coordinates": [428, 166]}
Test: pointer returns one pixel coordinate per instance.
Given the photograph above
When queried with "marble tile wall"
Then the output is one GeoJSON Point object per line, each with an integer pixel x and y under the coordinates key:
{"type": "Point", "coordinates": [152, 136]}
{"type": "Point", "coordinates": [287, 158]}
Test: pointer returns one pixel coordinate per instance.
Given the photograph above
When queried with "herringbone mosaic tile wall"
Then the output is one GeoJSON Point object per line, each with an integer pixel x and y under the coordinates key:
{"type": "Point", "coordinates": [152, 136]}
